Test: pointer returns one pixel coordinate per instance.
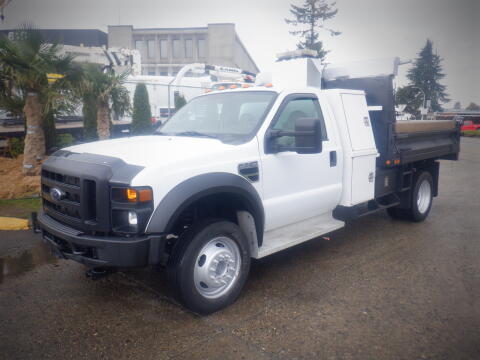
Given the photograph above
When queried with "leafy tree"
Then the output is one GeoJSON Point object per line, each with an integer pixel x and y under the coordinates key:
{"type": "Point", "coordinates": [25, 65]}
{"type": "Point", "coordinates": [109, 94]}
{"type": "Point", "coordinates": [424, 76]}
{"type": "Point", "coordinates": [457, 105]}
{"type": "Point", "coordinates": [473, 107]}
{"type": "Point", "coordinates": [180, 101]}
{"type": "Point", "coordinates": [142, 114]}
{"type": "Point", "coordinates": [311, 17]}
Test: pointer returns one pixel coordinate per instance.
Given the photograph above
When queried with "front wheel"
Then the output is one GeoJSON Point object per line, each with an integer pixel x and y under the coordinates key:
{"type": "Point", "coordinates": [209, 266]}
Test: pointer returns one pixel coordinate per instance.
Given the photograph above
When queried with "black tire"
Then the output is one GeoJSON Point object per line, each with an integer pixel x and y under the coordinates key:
{"type": "Point", "coordinates": [414, 213]}
{"type": "Point", "coordinates": [183, 260]}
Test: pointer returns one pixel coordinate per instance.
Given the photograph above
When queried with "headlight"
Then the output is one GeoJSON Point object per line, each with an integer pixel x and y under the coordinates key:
{"type": "Point", "coordinates": [131, 209]}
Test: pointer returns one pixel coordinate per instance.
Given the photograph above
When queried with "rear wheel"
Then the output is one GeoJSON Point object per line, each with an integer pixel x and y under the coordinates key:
{"type": "Point", "coordinates": [209, 266]}
{"type": "Point", "coordinates": [421, 200]}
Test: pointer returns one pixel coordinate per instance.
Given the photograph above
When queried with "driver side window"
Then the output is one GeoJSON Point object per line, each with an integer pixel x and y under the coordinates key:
{"type": "Point", "coordinates": [293, 110]}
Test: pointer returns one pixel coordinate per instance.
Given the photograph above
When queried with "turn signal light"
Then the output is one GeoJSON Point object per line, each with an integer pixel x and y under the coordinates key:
{"type": "Point", "coordinates": [233, 86]}
{"type": "Point", "coordinates": [141, 195]}
{"type": "Point", "coordinates": [221, 88]}
{"type": "Point", "coordinates": [245, 86]}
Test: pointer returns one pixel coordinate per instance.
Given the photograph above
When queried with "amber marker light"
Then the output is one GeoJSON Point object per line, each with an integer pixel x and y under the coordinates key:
{"type": "Point", "coordinates": [132, 195]}
{"type": "Point", "coordinates": [145, 195]}
{"type": "Point", "coordinates": [233, 86]}
{"type": "Point", "coordinates": [268, 85]}
{"type": "Point", "coordinates": [221, 88]}
{"type": "Point", "coordinates": [245, 86]}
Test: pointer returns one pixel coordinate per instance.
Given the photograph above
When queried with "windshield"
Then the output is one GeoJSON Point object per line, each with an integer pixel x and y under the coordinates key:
{"type": "Point", "coordinates": [233, 115]}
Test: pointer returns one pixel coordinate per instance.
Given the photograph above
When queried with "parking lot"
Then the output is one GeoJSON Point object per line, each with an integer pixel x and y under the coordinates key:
{"type": "Point", "coordinates": [377, 289]}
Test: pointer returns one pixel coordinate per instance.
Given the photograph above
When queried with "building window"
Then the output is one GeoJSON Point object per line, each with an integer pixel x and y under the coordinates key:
{"type": "Point", "coordinates": [151, 72]}
{"type": "Point", "coordinates": [163, 48]}
{"type": "Point", "coordinates": [176, 48]}
{"type": "Point", "coordinates": [163, 73]}
{"type": "Point", "coordinates": [138, 45]}
{"type": "Point", "coordinates": [202, 51]}
{"type": "Point", "coordinates": [188, 48]}
{"type": "Point", "coordinates": [151, 48]}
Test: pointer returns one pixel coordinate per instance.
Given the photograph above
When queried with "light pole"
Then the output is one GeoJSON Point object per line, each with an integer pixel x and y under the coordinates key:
{"type": "Point", "coordinates": [424, 96]}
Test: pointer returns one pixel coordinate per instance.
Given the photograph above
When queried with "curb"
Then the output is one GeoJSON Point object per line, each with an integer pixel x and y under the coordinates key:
{"type": "Point", "coordinates": [9, 223]}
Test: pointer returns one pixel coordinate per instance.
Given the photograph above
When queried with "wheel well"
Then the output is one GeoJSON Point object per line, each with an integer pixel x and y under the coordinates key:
{"type": "Point", "coordinates": [221, 205]}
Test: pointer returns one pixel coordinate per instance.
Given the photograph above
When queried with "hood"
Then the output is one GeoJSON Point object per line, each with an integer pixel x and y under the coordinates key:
{"type": "Point", "coordinates": [154, 150]}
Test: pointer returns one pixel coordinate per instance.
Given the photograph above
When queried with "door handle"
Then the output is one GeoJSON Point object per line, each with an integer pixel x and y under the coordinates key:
{"type": "Point", "coordinates": [333, 158]}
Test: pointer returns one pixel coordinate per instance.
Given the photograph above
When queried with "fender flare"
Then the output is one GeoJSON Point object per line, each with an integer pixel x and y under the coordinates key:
{"type": "Point", "coordinates": [197, 187]}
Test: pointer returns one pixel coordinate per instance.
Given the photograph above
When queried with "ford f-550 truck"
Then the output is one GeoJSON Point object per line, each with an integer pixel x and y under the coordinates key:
{"type": "Point", "coordinates": [244, 173]}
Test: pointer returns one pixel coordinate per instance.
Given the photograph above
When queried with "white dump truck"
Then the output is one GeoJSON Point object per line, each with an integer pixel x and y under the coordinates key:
{"type": "Point", "coordinates": [244, 173]}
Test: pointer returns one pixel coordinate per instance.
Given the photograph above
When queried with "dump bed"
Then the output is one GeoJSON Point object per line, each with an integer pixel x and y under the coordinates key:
{"type": "Point", "coordinates": [407, 141]}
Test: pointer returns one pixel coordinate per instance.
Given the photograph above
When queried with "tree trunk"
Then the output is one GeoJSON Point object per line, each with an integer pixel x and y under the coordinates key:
{"type": "Point", "coordinates": [34, 150]}
{"type": "Point", "coordinates": [103, 121]}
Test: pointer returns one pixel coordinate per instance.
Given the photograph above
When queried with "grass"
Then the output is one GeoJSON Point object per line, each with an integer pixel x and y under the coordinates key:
{"type": "Point", "coordinates": [471, 133]}
{"type": "Point", "coordinates": [20, 208]}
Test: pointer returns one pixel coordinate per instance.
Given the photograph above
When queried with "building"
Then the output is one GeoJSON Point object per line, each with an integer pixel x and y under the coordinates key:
{"type": "Point", "coordinates": [165, 50]}
{"type": "Point", "coordinates": [74, 37]}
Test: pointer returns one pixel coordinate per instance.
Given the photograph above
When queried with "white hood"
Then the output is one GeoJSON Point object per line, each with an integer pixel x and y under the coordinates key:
{"type": "Point", "coordinates": [154, 150]}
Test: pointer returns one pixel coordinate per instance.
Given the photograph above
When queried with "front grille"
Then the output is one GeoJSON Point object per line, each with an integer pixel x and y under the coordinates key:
{"type": "Point", "coordinates": [77, 204]}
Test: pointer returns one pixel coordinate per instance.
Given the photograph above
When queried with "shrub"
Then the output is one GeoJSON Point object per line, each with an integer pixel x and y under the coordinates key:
{"type": "Point", "coordinates": [64, 140]}
{"type": "Point", "coordinates": [89, 111]}
{"type": "Point", "coordinates": [179, 101]}
{"type": "Point", "coordinates": [16, 146]}
{"type": "Point", "coordinates": [142, 114]}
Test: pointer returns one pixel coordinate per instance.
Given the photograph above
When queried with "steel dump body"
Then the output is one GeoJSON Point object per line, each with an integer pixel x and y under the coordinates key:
{"type": "Point", "coordinates": [404, 141]}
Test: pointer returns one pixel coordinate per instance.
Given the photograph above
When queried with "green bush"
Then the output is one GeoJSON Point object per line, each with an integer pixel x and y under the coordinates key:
{"type": "Point", "coordinates": [179, 101]}
{"type": "Point", "coordinates": [16, 146]}
{"type": "Point", "coordinates": [142, 114]}
{"type": "Point", "coordinates": [64, 140]}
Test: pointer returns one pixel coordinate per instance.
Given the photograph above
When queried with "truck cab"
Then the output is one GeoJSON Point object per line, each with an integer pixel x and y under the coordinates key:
{"type": "Point", "coordinates": [238, 174]}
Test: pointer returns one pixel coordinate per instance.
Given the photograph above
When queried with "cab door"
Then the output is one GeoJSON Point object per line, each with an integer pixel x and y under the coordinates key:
{"type": "Point", "coordinates": [300, 186]}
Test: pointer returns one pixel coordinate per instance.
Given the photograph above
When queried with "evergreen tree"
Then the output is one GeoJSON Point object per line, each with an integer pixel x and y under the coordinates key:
{"type": "Point", "coordinates": [89, 111]}
{"type": "Point", "coordinates": [142, 114]}
{"type": "Point", "coordinates": [426, 74]}
{"type": "Point", "coordinates": [473, 107]}
{"type": "Point", "coordinates": [179, 101]}
{"type": "Point", "coordinates": [457, 105]}
{"type": "Point", "coordinates": [311, 17]}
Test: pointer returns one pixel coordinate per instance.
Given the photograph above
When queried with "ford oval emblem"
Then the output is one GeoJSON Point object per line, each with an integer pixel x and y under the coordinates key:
{"type": "Point", "coordinates": [56, 194]}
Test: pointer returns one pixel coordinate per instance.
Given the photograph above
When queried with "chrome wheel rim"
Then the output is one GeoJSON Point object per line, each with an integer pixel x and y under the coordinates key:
{"type": "Point", "coordinates": [217, 267]}
{"type": "Point", "coordinates": [424, 196]}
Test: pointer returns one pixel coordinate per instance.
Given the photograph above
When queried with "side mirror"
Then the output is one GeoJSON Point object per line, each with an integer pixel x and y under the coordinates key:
{"type": "Point", "coordinates": [307, 138]}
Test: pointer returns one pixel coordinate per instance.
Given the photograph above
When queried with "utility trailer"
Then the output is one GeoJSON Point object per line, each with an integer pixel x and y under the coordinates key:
{"type": "Point", "coordinates": [244, 173]}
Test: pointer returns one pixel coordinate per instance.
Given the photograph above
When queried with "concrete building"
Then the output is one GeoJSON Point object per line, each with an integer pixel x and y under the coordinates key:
{"type": "Point", "coordinates": [165, 50]}
{"type": "Point", "coordinates": [74, 37]}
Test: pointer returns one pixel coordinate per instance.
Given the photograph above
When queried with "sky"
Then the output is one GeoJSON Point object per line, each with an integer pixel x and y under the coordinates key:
{"type": "Point", "coordinates": [369, 28]}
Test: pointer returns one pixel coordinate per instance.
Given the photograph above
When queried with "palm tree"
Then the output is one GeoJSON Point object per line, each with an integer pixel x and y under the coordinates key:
{"type": "Point", "coordinates": [25, 64]}
{"type": "Point", "coordinates": [107, 89]}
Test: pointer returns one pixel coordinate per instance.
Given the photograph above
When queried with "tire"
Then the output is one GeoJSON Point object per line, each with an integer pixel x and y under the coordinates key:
{"type": "Point", "coordinates": [209, 266]}
{"type": "Point", "coordinates": [421, 200]}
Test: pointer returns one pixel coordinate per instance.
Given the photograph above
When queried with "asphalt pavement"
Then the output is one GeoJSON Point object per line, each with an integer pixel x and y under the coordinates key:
{"type": "Point", "coordinates": [377, 289]}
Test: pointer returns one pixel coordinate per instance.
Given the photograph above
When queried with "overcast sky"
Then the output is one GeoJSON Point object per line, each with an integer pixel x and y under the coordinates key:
{"type": "Point", "coordinates": [370, 28]}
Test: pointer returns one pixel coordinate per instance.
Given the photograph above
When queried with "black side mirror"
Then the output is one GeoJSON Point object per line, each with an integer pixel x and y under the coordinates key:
{"type": "Point", "coordinates": [307, 137]}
